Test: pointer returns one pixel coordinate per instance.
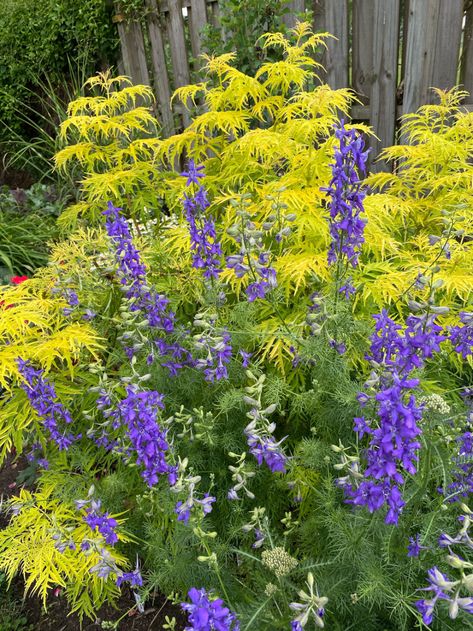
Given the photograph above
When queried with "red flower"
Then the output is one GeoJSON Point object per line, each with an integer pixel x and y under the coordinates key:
{"type": "Point", "coordinates": [17, 280]}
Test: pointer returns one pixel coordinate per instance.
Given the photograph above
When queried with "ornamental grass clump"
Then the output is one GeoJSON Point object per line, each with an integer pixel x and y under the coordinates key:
{"type": "Point", "coordinates": [243, 381]}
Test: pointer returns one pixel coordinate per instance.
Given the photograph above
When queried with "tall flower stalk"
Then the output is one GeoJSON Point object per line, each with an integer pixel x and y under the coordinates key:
{"type": "Point", "coordinates": [346, 194]}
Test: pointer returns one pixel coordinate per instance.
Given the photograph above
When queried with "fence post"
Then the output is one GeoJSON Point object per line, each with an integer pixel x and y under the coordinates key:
{"type": "Point", "coordinates": [197, 20]}
{"type": "Point", "coordinates": [294, 7]}
{"type": "Point", "coordinates": [177, 42]}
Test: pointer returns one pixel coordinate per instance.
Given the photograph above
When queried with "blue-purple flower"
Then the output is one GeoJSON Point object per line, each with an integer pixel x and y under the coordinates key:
{"type": "Point", "coordinates": [139, 412]}
{"type": "Point", "coordinates": [208, 615]}
{"type": "Point", "coordinates": [394, 441]}
{"type": "Point", "coordinates": [346, 197]}
{"type": "Point", "coordinates": [206, 251]}
{"type": "Point", "coordinates": [43, 399]}
{"type": "Point", "coordinates": [414, 548]}
{"type": "Point", "coordinates": [461, 336]}
{"type": "Point", "coordinates": [98, 520]}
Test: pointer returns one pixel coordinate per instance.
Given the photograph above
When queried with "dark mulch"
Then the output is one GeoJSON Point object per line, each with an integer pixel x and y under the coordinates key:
{"type": "Point", "coordinates": [56, 617]}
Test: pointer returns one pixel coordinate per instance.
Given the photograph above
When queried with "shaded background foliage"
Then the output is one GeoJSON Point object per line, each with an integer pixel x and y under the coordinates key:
{"type": "Point", "coordinates": [37, 42]}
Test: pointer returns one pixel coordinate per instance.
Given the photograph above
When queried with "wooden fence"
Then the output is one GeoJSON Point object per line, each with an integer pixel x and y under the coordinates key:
{"type": "Point", "coordinates": [391, 52]}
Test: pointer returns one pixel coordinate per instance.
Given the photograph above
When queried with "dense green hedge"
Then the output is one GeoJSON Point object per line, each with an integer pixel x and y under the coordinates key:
{"type": "Point", "coordinates": [44, 38]}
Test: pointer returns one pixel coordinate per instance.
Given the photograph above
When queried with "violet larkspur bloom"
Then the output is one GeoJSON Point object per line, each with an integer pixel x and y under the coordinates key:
{"type": "Point", "coordinates": [440, 586]}
{"type": "Point", "coordinates": [106, 525]}
{"type": "Point", "coordinates": [346, 196]}
{"type": "Point", "coordinates": [461, 336]}
{"type": "Point", "coordinates": [139, 412]}
{"type": "Point", "coordinates": [265, 448]}
{"type": "Point", "coordinates": [194, 173]}
{"type": "Point", "coordinates": [132, 274]}
{"type": "Point", "coordinates": [218, 354]}
{"type": "Point", "coordinates": [414, 547]}
{"type": "Point", "coordinates": [43, 399]}
{"type": "Point", "coordinates": [394, 442]}
{"type": "Point", "coordinates": [206, 251]}
{"type": "Point", "coordinates": [462, 484]}
{"type": "Point", "coordinates": [208, 615]}
{"type": "Point", "coordinates": [134, 578]}
{"type": "Point", "coordinates": [245, 358]}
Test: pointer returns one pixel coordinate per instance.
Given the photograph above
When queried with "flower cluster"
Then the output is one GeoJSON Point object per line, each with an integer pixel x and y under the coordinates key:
{"type": "Point", "coordinates": [214, 345]}
{"type": "Point", "coordinates": [257, 525]}
{"type": "Point", "coordinates": [461, 336]}
{"type": "Point", "coordinates": [42, 396]}
{"type": "Point", "coordinates": [186, 484]}
{"type": "Point", "coordinates": [206, 250]}
{"type": "Point", "coordinates": [312, 606]}
{"type": "Point", "coordinates": [96, 519]}
{"type": "Point", "coordinates": [347, 195]}
{"type": "Point", "coordinates": [394, 442]}
{"type": "Point", "coordinates": [259, 432]}
{"type": "Point", "coordinates": [462, 484]}
{"type": "Point", "coordinates": [139, 411]}
{"type": "Point", "coordinates": [133, 273]}
{"type": "Point", "coordinates": [240, 476]}
{"type": "Point", "coordinates": [278, 561]}
{"type": "Point", "coordinates": [253, 259]}
{"type": "Point", "coordinates": [208, 615]}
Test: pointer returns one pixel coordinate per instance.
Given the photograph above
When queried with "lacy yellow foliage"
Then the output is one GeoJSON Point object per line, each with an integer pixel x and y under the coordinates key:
{"type": "Point", "coordinates": [27, 547]}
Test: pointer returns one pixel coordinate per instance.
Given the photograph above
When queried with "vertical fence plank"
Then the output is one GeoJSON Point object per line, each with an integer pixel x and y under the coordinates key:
{"type": "Point", "coordinates": [467, 54]}
{"type": "Point", "coordinates": [335, 59]}
{"type": "Point", "coordinates": [433, 42]}
{"type": "Point", "coordinates": [384, 84]}
{"type": "Point", "coordinates": [133, 49]}
{"type": "Point", "coordinates": [447, 44]}
{"type": "Point", "coordinates": [294, 7]}
{"type": "Point", "coordinates": [362, 48]}
{"type": "Point", "coordinates": [160, 73]}
{"type": "Point", "coordinates": [177, 44]}
{"type": "Point", "coordinates": [197, 21]}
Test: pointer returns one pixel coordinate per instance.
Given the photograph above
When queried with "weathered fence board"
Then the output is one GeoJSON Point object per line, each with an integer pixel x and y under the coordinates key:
{"type": "Point", "coordinates": [467, 54]}
{"type": "Point", "coordinates": [160, 72]}
{"type": "Point", "coordinates": [433, 44]}
{"type": "Point", "coordinates": [133, 50]}
{"type": "Point", "coordinates": [362, 60]}
{"type": "Point", "coordinates": [335, 58]}
{"type": "Point", "coordinates": [294, 7]}
{"type": "Point", "coordinates": [391, 52]}
{"type": "Point", "coordinates": [197, 21]}
{"type": "Point", "coordinates": [384, 83]}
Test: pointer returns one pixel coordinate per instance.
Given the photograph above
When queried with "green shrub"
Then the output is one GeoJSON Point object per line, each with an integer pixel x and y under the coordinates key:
{"type": "Point", "coordinates": [37, 40]}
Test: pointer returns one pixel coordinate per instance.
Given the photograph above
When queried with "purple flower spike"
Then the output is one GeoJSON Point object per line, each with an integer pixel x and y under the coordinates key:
{"type": "Point", "coordinates": [139, 412]}
{"type": "Point", "coordinates": [206, 251]}
{"type": "Point", "coordinates": [394, 443]}
{"type": "Point", "coordinates": [347, 195]}
{"type": "Point", "coordinates": [43, 399]}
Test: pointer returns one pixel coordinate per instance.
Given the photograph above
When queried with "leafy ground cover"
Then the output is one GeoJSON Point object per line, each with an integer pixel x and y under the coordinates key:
{"type": "Point", "coordinates": [243, 380]}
